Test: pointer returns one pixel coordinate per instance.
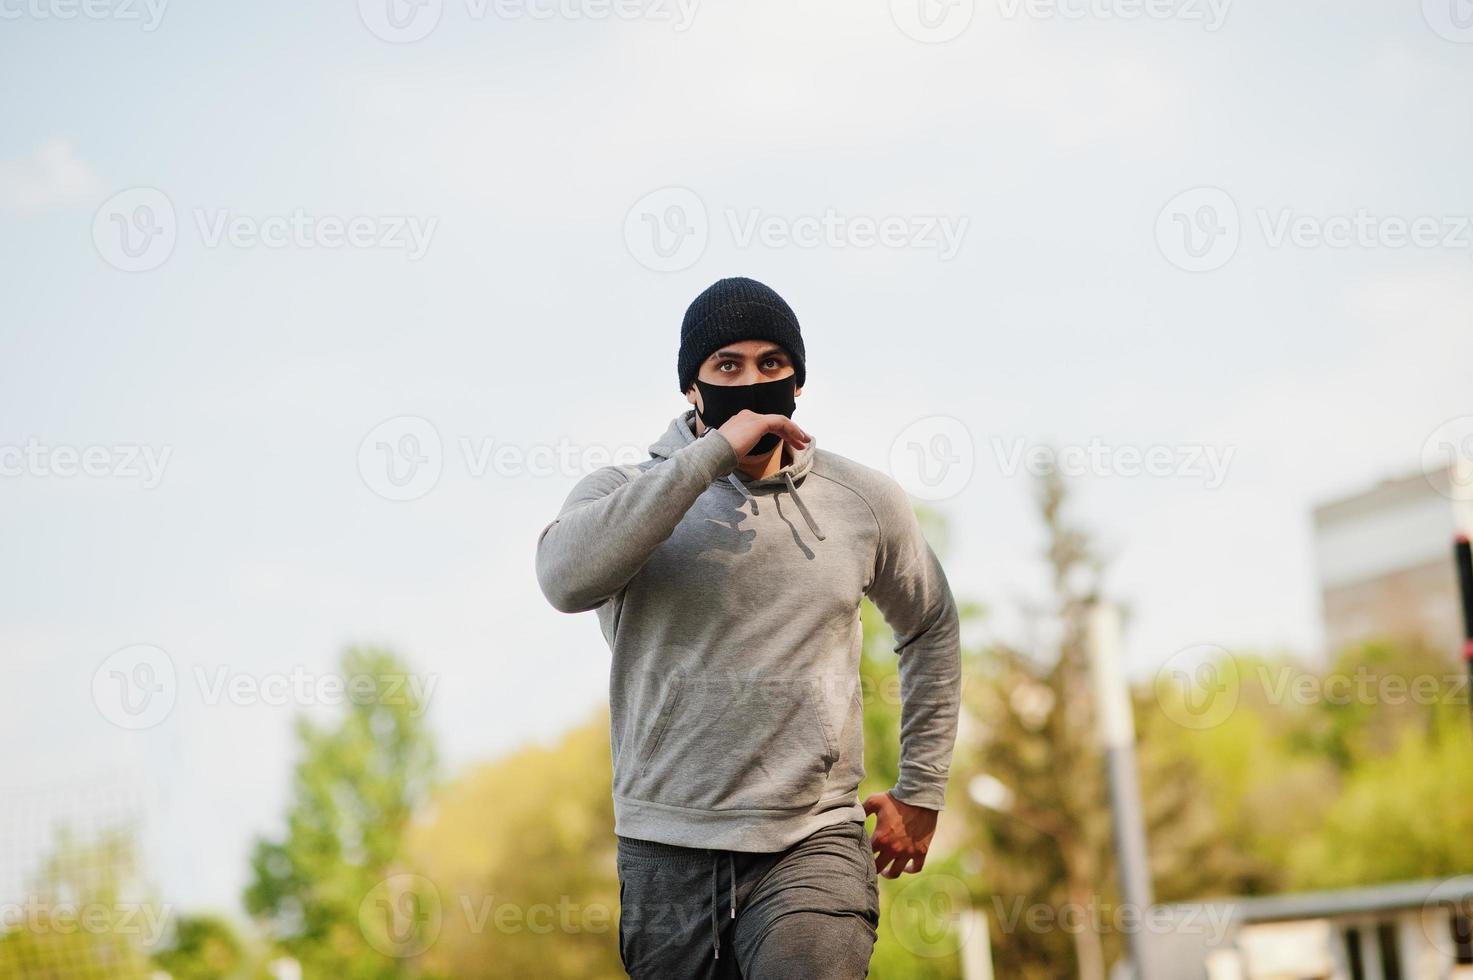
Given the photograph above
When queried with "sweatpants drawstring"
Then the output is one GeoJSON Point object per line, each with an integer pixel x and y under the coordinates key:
{"type": "Point", "coordinates": [715, 874]}
{"type": "Point", "coordinates": [715, 930]}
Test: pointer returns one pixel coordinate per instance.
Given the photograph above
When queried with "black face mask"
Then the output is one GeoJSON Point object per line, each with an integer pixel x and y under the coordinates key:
{"type": "Point", "coordinates": [765, 398]}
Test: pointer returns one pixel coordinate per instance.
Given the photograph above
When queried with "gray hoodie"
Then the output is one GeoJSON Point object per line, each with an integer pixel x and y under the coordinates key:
{"type": "Point", "coordinates": [731, 607]}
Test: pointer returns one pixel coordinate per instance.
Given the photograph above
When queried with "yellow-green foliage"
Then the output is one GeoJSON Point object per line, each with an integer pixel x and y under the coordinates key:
{"type": "Point", "coordinates": [521, 852]}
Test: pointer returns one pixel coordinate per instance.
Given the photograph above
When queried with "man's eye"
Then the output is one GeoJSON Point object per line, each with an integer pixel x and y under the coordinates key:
{"type": "Point", "coordinates": [726, 364]}
{"type": "Point", "coordinates": [771, 364]}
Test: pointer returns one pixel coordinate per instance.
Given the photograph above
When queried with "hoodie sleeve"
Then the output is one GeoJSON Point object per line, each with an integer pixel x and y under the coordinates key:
{"type": "Point", "coordinates": [911, 592]}
{"type": "Point", "coordinates": [611, 522]}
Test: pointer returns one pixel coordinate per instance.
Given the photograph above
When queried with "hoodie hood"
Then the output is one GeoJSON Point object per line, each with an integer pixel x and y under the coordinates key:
{"type": "Point", "coordinates": [681, 433]}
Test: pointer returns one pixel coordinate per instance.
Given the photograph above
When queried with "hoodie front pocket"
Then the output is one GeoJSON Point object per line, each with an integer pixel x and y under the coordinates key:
{"type": "Point", "coordinates": [736, 745]}
{"type": "Point", "coordinates": [651, 743]}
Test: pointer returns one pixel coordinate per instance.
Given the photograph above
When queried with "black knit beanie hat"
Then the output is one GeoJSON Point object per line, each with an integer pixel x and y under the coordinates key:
{"type": "Point", "coordinates": [732, 310]}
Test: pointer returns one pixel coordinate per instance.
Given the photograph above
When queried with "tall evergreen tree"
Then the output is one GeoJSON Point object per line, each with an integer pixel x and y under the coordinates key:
{"type": "Point", "coordinates": [1047, 875]}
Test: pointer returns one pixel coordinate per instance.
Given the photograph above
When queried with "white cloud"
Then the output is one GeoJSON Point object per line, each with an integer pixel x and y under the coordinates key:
{"type": "Point", "coordinates": [50, 176]}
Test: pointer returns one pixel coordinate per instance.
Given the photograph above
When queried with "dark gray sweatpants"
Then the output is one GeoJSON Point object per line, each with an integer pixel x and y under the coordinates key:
{"type": "Point", "coordinates": [810, 911]}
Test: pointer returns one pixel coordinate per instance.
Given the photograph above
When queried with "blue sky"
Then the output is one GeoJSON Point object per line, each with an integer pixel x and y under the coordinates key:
{"type": "Point", "coordinates": [1068, 150]}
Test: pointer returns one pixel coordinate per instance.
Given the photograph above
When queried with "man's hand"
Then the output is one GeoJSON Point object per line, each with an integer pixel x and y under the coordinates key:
{"type": "Point", "coordinates": [745, 428]}
{"type": "Point", "coordinates": [902, 834]}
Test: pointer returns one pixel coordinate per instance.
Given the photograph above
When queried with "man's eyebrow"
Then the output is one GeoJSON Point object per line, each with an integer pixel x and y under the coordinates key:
{"type": "Point", "coordinates": [738, 355]}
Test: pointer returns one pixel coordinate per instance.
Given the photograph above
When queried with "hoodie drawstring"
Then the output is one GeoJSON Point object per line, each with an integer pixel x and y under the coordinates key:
{"type": "Point", "coordinates": [742, 487]}
{"type": "Point", "coordinates": [715, 928]}
{"type": "Point", "coordinates": [812, 524]}
{"type": "Point", "coordinates": [793, 490]}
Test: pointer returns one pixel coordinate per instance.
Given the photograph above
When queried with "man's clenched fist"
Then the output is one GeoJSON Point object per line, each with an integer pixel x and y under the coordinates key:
{"type": "Point", "coordinates": [902, 834]}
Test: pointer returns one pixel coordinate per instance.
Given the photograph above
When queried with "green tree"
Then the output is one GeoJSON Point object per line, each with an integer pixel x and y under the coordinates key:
{"type": "Point", "coordinates": [333, 891]}
{"type": "Point", "coordinates": [207, 947]}
{"type": "Point", "coordinates": [1419, 795]}
{"type": "Point", "coordinates": [1267, 786]}
{"type": "Point", "coordinates": [1374, 694]}
{"type": "Point", "coordinates": [86, 914]}
{"type": "Point", "coordinates": [1312, 771]}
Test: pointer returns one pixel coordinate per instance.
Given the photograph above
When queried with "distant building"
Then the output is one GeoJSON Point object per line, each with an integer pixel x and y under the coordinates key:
{"type": "Point", "coordinates": [1386, 567]}
{"type": "Point", "coordinates": [1415, 930]}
